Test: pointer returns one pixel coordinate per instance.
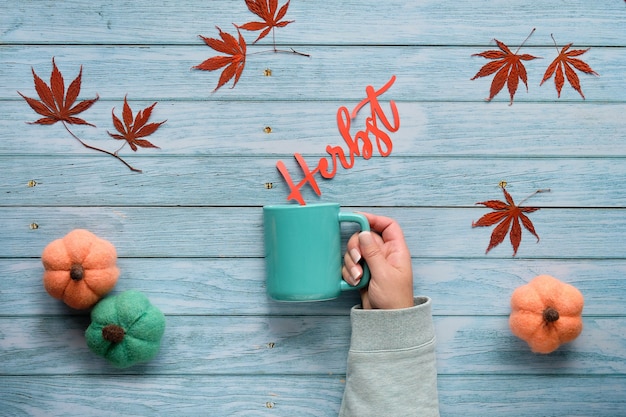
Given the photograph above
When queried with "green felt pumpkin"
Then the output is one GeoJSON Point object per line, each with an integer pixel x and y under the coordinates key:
{"type": "Point", "coordinates": [125, 329]}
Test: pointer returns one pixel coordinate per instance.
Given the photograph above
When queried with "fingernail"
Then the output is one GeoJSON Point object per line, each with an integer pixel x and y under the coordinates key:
{"type": "Point", "coordinates": [355, 273]}
{"type": "Point", "coordinates": [355, 255]}
{"type": "Point", "coordinates": [365, 238]}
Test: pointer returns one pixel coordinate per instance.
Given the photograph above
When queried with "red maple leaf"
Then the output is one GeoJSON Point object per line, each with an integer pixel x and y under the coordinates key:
{"type": "Point", "coordinates": [133, 129]}
{"type": "Point", "coordinates": [56, 105]}
{"type": "Point", "coordinates": [563, 63]}
{"type": "Point", "coordinates": [508, 215]}
{"type": "Point", "coordinates": [266, 10]}
{"type": "Point", "coordinates": [234, 61]}
{"type": "Point", "coordinates": [508, 67]}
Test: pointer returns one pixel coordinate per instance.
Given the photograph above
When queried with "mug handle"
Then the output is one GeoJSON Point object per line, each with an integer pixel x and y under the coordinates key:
{"type": "Point", "coordinates": [365, 227]}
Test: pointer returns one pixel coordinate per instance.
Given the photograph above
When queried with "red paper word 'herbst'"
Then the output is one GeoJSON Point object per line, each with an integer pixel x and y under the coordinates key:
{"type": "Point", "coordinates": [328, 169]}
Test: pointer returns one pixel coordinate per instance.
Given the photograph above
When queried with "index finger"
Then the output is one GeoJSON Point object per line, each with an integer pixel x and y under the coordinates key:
{"type": "Point", "coordinates": [387, 227]}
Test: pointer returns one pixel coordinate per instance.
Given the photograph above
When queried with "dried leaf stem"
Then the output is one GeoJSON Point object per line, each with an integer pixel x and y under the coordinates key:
{"type": "Point", "coordinates": [555, 45]}
{"type": "Point", "coordinates": [543, 190]}
{"type": "Point", "coordinates": [283, 51]}
{"type": "Point", "coordinates": [280, 51]}
{"type": "Point", "coordinates": [527, 37]}
{"type": "Point", "coordinates": [99, 149]}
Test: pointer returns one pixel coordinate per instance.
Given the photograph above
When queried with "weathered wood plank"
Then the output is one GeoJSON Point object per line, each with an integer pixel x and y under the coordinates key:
{"type": "Point", "coordinates": [139, 395]}
{"type": "Point", "coordinates": [100, 180]}
{"type": "Point", "coordinates": [476, 396]}
{"type": "Point", "coordinates": [540, 395]}
{"type": "Point", "coordinates": [238, 232]}
{"type": "Point", "coordinates": [427, 129]}
{"type": "Point", "coordinates": [425, 22]}
{"type": "Point", "coordinates": [331, 73]}
{"type": "Point", "coordinates": [220, 286]}
{"type": "Point", "coordinates": [242, 345]}
{"type": "Point", "coordinates": [236, 286]}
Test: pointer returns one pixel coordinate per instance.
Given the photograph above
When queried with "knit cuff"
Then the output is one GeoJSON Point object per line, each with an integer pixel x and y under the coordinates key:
{"type": "Point", "coordinates": [385, 330]}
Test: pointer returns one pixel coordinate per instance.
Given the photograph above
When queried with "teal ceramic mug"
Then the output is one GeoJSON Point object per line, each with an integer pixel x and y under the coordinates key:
{"type": "Point", "coordinates": [303, 254]}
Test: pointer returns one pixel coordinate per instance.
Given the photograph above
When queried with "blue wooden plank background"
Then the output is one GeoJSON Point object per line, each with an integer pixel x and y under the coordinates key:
{"type": "Point", "coordinates": [188, 229]}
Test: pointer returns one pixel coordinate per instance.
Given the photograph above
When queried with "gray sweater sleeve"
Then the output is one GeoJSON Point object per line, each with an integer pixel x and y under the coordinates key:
{"type": "Point", "coordinates": [391, 363]}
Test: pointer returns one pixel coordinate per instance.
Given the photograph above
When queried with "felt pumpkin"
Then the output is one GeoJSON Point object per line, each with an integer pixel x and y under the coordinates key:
{"type": "Point", "coordinates": [79, 268]}
{"type": "Point", "coordinates": [125, 329]}
{"type": "Point", "coordinates": [546, 313]}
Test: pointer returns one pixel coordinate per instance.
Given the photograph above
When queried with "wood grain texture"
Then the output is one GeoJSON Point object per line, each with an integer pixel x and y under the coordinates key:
{"type": "Point", "coordinates": [208, 231]}
{"type": "Point", "coordinates": [241, 181]}
{"type": "Point", "coordinates": [331, 73]}
{"type": "Point", "coordinates": [217, 286]}
{"type": "Point", "coordinates": [167, 395]}
{"type": "Point", "coordinates": [188, 231]}
{"type": "Point", "coordinates": [531, 396]}
{"type": "Point", "coordinates": [295, 345]}
{"type": "Point", "coordinates": [424, 22]}
{"type": "Point", "coordinates": [428, 129]}
{"type": "Point", "coordinates": [299, 395]}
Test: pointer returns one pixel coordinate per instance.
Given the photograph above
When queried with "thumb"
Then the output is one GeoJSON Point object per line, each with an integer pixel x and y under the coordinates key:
{"type": "Point", "coordinates": [371, 252]}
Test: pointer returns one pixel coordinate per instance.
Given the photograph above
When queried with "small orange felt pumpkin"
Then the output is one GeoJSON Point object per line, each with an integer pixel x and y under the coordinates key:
{"type": "Point", "coordinates": [546, 313]}
{"type": "Point", "coordinates": [79, 268]}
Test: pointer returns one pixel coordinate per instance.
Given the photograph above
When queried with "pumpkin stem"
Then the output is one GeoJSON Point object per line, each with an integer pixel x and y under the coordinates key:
{"type": "Point", "coordinates": [113, 333]}
{"type": "Point", "coordinates": [550, 315]}
{"type": "Point", "coordinates": [77, 272]}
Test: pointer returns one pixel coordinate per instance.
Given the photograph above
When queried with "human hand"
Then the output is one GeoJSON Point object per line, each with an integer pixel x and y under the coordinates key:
{"type": "Point", "coordinates": [389, 261]}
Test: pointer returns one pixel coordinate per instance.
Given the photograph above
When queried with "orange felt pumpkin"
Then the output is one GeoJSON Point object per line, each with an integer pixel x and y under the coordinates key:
{"type": "Point", "coordinates": [79, 268]}
{"type": "Point", "coordinates": [546, 313]}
